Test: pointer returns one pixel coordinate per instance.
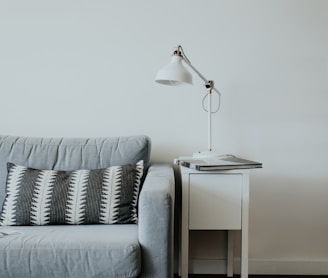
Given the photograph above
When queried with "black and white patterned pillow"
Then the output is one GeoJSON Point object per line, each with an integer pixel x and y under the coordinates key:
{"type": "Point", "coordinates": [41, 197]}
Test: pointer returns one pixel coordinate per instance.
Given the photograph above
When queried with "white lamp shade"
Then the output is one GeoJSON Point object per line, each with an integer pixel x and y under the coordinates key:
{"type": "Point", "coordinates": [174, 73]}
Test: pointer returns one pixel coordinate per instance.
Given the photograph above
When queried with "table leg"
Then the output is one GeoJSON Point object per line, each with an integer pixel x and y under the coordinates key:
{"type": "Point", "coordinates": [230, 253]}
{"type": "Point", "coordinates": [185, 227]}
{"type": "Point", "coordinates": [244, 228]}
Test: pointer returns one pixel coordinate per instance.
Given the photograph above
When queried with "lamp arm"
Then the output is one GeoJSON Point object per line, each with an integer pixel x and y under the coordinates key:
{"type": "Point", "coordinates": [208, 83]}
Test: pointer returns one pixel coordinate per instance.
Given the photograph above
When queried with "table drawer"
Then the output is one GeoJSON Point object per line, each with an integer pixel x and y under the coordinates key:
{"type": "Point", "coordinates": [215, 201]}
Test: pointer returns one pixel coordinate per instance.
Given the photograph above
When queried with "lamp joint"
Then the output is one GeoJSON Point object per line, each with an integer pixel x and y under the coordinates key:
{"type": "Point", "coordinates": [209, 85]}
{"type": "Point", "coordinates": [178, 51]}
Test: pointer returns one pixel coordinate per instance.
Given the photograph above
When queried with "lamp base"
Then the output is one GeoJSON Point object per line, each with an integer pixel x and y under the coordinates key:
{"type": "Point", "coordinates": [207, 155]}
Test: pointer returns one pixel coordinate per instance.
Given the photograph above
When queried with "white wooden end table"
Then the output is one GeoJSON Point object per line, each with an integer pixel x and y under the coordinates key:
{"type": "Point", "coordinates": [215, 200]}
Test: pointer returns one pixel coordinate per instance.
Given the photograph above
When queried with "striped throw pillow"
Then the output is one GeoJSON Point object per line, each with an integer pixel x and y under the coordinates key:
{"type": "Point", "coordinates": [44, 197]}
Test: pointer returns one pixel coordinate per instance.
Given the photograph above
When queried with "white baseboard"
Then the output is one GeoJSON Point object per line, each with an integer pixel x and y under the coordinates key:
{"type": "Point", "coordinates": [289, 267]}
{"type": "Point", "coordinates": [262, 267]}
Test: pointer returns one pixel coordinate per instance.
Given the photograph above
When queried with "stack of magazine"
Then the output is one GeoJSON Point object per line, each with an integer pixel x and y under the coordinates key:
{"type": "Point", "coordinates": [226, 162]}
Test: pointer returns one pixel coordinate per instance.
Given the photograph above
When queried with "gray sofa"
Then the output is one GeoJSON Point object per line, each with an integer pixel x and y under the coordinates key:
{"type": "Point", "coordinates": [141, 249]}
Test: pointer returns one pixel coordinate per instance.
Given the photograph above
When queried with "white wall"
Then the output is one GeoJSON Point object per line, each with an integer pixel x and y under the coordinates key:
{"type": "Point", "coordinates": [86, 68]}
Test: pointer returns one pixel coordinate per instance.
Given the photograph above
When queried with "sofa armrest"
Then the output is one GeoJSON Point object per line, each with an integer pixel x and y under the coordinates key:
{"type": "Point", "coordinates": [156, 221]}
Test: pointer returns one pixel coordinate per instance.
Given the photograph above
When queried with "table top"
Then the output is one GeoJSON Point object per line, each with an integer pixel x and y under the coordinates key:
{"type": "Point", "coordinates": [227, 162]}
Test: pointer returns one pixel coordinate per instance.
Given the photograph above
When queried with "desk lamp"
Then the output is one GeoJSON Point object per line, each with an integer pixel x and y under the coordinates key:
{"type": "Point", "coordinates": [175, 74]}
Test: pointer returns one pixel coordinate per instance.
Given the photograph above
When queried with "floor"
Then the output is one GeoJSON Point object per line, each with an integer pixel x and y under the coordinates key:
{"type": "Point", "coordinates": [256, 276]}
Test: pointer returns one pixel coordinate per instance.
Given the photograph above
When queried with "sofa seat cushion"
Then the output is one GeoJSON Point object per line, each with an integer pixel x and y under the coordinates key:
{"type": "Point", "coordinates": [71, 251]}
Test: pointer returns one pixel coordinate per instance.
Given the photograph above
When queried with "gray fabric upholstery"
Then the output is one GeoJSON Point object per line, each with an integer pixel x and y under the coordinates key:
{"type": "Point", "coordinates": [135, 250]}
{"type": "Point", "coordinates": [71, 251]}
{"type": "Point", "coordinates": [156, 208]}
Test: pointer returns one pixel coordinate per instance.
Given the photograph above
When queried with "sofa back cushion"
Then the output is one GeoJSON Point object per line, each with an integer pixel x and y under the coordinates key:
{"type": "Point", "coordinates": [69, 154]}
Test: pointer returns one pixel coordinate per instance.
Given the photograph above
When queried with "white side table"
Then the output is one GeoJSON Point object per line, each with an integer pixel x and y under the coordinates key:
{"type": "Point", "coordinates": [215, 200]}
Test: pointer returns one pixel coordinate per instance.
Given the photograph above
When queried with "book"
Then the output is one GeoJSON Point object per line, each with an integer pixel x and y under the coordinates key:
{"type": "Point", "coordinates": [228, 162]}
